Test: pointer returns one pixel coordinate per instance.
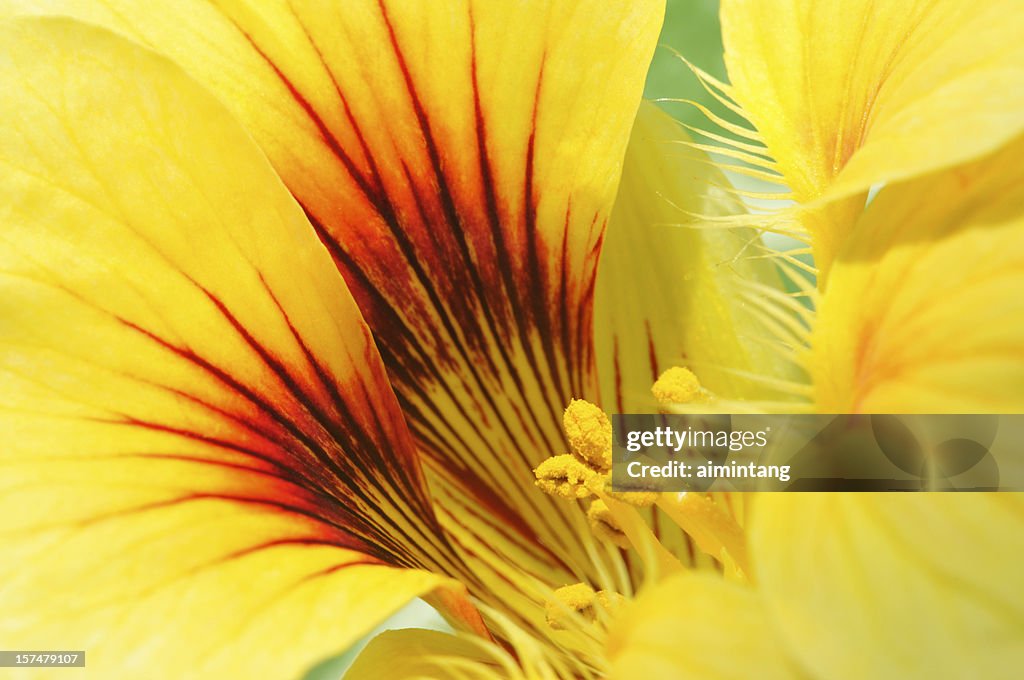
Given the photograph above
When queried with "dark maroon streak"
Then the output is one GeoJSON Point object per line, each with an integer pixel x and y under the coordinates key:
{"type": "Point", "coordinates": [652, 354]}
{"type": "Point", "coordinates": [585, 311]}
{"type": "Point", "coordinates": [537, 293]}
{"type": "Point", "coordinates": [620, 407]}
{"type": "Point", "coordinates": [503, 257]}
{"type": "Point", "coordinates": [276, 467]}
{"type": "Point", "coordinates": [575, 377]}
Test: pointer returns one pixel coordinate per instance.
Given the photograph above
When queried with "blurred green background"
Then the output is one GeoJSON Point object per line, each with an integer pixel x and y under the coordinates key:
{"type": "Point", "coordinates": [691, 29]}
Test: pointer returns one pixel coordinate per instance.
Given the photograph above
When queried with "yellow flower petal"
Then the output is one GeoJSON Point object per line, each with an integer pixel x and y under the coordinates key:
{"type": "Point", "coordinates": [894, 585]}
{"type": "Point", "coordinates": [695, 625]}
{"type": "Point", "coordinates": [924, 310]}
{"type": "Point", "coordinates": [459, 159]}
{"type": "Point", "coordinates": [672, 295]}
{"type": "Point", "coordinates": [412, 654]}
{"type": "Point", "coordinates": [847, 94]}
{"type": "Point", "coordinates": [205, 472]}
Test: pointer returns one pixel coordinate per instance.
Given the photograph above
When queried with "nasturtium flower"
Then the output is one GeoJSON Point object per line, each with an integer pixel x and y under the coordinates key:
{"type": "Point", "coordinates": [311, 308]}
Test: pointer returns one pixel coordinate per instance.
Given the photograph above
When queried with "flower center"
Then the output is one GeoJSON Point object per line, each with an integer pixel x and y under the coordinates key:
{"type": "Point", "coordinates": [630, 521]}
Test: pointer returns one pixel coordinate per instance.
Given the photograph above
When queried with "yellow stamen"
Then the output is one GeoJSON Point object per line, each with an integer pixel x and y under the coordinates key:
{"type": "Point", "coordinates": [609, 600]}
{"type": "Point", "coordinates": [712, 526]}
{"type": "Point", "coordinates": [590, 434]}
{"type": "Point", "coordinates": [678, 385]}
{"type": "Point", "coordinates": [578, 598]}
{"type": "Point", "coordinates": [603, 484]}
{"type": "Point", "coordinates": [564, 476]}
{"type": "Point", "coordinates": [657, 559]}
{"type": "Point", "coordinates": [639, 499]}
{"type": "Point", "coordinates": [604, 526]}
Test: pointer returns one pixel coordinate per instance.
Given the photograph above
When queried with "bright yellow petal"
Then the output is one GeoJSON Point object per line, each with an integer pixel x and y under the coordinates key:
{"type": "Point", "coordinates": [895, 585]}
{"type": "Point", "coordinates": [847, 94]}
{"type": "Point", "coordinates": [696, 626]}
{"type": "Point", "coordinates": [412, 653]}
{"type": "Point", "coordinates": [924, 309]}
{"type": "Point", "coordinates": [204, 469]}
{"type": "Point", "coordinates": [460, 160]}
{"type": "Point", "coordinates": [673, 291]}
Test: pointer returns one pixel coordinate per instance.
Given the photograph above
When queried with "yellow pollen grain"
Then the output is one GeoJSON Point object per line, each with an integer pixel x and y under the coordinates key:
{"type": "Point", "coordinates": [564, 476]}
{"type": "Point", "coordinates": [578, 598]}
{"type": "Point", "coordinates": [609, 600]}
{"type": "Point", "coordinates": [590, 434]}
{"type": "Point", "coordinates": [599, 484]}
{"type": "Point", "coordinates": [640, 499]}
{"type": "Point", "coordinates": [604, 525]}
{"type": "Point", "coordinates": [678, 385]}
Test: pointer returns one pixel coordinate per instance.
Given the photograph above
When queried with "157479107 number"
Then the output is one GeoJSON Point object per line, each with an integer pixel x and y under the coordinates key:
{"type": "Point", "coordinates": [41, 659]}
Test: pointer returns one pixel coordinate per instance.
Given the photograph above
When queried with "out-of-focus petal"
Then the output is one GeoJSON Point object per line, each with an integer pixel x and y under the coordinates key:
{"type": "Point", "coordinates": [894, 585]}
{"type": "Point", "coordinates": [850, 94]}
{"type": "Point", "coordinates": [696, 626]}
{"type": "Point", "coordinates": [924, 311]}
{"type": "Point", "coordinates": [413, 653]}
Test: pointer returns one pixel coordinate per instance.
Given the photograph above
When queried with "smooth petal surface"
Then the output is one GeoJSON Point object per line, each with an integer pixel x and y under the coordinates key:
{"type": "Point", "coordinates": [413, 653]}
{"type": "Point", "coordinates": [924, 310]}
{"type": "Point", "coordinates": [894, 585]}
{"type": "Point", "coordinates": [204, 469]}
{"type": "Point", "coordinates": [696, 626]}
{"type": "Point", "coordinates": [672, 291]}
{"type": "Point", "coordinates": [460, 160]}
{"type": "Point", "coordinates": [850, 94]}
